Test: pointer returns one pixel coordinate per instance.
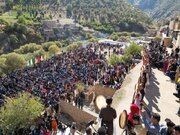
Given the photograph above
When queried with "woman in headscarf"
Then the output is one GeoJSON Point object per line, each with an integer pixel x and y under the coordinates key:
{"type": "Point", "coordinates": [134, 110]}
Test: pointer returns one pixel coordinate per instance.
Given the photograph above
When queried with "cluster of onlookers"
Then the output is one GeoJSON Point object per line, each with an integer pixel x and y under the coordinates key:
{"type": "Point", "coordinates": [140, 120]}
{"type": "Point", "coordinates": [168, 63]}
{"type": "Point", "coordinates": [57, 77]}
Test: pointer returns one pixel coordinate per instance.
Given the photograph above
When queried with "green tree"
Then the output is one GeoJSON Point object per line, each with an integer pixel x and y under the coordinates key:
{"type": "Point", "coordinates": [54, 49]}
{"type": "Point", "coordinates": [133, 49]}
{"type": "Point", "coordinates": [114, 59]}
{"type": "Point", "coordinates": [14, 61]}
{"type": "Point", "coordinates": [126, 58]}
{"type": "Point", "coordinates": [20, 112]}
{"type": "Point", "coordinates": [89, 36]}
{"type": "Point", "coordinates": [3, 22]}
{"type": "Point", "coordinates": [9, 4]}
{"type": "Point", "coordinates": [2, 66]}
{"type": "Point", "coordinates": [93, 40]}
{"type": "Point", "coordinates": [28, 48]}
{"type": "Point", "coordinates": [1, 11]}
{"type": "Point", "coordinates": [21, 20]}
{"type": "Point", "coordinates": [46, 45]}
{"type": "Point", "coordinates": [13, 40]}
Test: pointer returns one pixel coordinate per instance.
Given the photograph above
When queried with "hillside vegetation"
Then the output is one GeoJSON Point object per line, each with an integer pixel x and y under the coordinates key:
{"type": "Point", "coordinates": [105, 15]}
{"type": "Point", "coordinates": [158, 9]}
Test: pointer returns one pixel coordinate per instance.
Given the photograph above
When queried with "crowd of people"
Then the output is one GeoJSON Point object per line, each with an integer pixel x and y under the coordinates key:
{"type": "Point", "coordinates": [168, 63]}
{"type": "Point", "coordinates": [155, 55]}
{"type": "Point", "coordinates": [56, 78]}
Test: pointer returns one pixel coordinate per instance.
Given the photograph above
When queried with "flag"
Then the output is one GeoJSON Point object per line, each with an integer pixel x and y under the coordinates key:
{"type": "Point", "coordinates": [28, 64]}
{"type": "Point", "coordinates": [38, 59]}
{"type": "Point", "coordinates": [31, 62]}
{"type": "Point", "coordinates": [42, 58]}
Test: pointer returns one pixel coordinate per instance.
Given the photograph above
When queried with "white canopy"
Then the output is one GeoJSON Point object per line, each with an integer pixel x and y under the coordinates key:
{"type": "Point", "coordinates": [111, 42]}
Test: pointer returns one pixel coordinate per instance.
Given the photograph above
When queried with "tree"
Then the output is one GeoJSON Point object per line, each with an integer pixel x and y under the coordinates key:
{"type": "Point", "coordinates": [133, 49]}
{"type": "Point", "coordinates": [13, 40]}
{"type": "Point", "coordinates": [21, 20]}
{"type": "Point", "coordinates": [54, 49]}
{"type": "Point", "coordinates": [2, 66]}
{"type": "Point", "coordinates": [20, 112]}
{"type": "Point", "coordinates": [126, 58]}
{"type": "Point", "coordinates": [114, 59]}
{"type": "Point", "coordinates": [93, 40]}
{"type": "Point", "coordinates": [9, 4]}
{"type": "Point", "coordinates": [89, 36]}
{"type": "Point", "coordinates": [28, 48]}
{"type": "Point", "coordinates": [14, 61]}
{"type": "Point", "coordinates": [46, 45]}
{"type": "Point", "coordinates": [1, 11]}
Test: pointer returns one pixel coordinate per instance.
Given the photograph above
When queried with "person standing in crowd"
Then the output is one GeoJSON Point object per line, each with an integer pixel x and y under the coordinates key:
{"type": "Point", "coordinates": [177, 130]}
{"type": "Point", "coordinates": [168, 129]}
{"type": "Point", "coordinates": [152, 126]}
{"type": "Point", "coordinates": [101, 131]}
{"type": "Point", "coordinates": [134, 110]}
{"type": "Point", "coordinates": [54, 126]}
{"type": "Point", "coordinates": [73, 129]}
{"type": "Point", "coordinates": [108, 114]}
{"type": "Point", "coordinates": [88, 131]}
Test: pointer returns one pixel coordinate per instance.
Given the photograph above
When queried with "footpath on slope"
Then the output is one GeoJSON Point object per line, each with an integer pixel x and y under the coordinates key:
{"type": "Point", "coordinates": [123, 98]}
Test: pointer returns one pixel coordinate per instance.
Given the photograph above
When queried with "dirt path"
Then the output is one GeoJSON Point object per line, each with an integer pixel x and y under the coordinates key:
{"type": "Point", "coordinates": [123, 97]}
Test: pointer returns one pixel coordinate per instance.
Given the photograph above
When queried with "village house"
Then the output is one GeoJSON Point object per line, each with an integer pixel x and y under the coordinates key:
{"type": "Point", "coordinates": [171, 33]}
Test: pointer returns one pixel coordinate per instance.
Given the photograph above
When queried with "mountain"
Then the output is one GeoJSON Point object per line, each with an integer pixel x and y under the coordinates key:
{"type": "Point", "coordinates": [105, 15]}
{"type": "Point", "coordinates": [158, 9]}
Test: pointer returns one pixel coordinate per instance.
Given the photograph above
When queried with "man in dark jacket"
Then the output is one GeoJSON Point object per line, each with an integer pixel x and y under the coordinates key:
{"type": "Point", "coordinates": [108, 114]}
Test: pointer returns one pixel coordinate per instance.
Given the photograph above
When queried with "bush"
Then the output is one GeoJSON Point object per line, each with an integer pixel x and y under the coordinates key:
{"type": "Point", "coordinates": [126, 58]}
{"type": "Point", "coordinates": [2, 66]}
{"type": "Point", "coordinates": [115, 59]}
{"type": "Point", "coordinates": [14, 61]}
{"type": "Point", "coordinates": [21, 20]}
{"type": "Point", "coordinates": [20, 112]}
{"type": "Point", "coordinates": [28, 48]}
{"type": "Point", "coordinates": [54, 49]}
{"type": "Point", "coordinates": [134, 34]}
{"type": "Point", "coordinates": [1, 11]}
{"type": "Point", "coordinates": [13, 39]}
{"type": "Point", "coordinates": [19, 13]}
{"type": "Point", "coordinates": [3, 22]}
{"type": "Point", "coordinates": [48, 44]}
{"type": "Point", "coordinates": [88, 36]}
{"type": "Point", "coordinates": [133, 49]}
{"type": "Point", "coordinates": [114, 37]}
{"type": "Point", "coordinates": [93, 40]}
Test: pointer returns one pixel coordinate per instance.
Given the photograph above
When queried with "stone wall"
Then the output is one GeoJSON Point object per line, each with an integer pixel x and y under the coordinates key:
{"type": "Point", "coordinates": [79, 116]}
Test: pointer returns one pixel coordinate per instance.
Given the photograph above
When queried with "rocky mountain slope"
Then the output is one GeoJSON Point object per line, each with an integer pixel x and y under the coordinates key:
{"type": "Point", "coordinates": [105, 15]}
{"type": "Point", "coordinates": [158, 9]}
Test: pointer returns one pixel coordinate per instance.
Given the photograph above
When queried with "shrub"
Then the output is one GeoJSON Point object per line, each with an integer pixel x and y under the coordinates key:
{"type": "Point", "coordinates": [28, 48]}
{"type": "Point", "coordinates": [133, 49]}
{"type": "Point", "coordinates": [20, 112]}
{"type": "Point", "coordinates": [114, 59]}
{"type": "Point", "coordinates": [14, 61]}
{"type": "Point", "coordinates": [54, 49]}
{"type": "Point", "coordinates": [21, 20]}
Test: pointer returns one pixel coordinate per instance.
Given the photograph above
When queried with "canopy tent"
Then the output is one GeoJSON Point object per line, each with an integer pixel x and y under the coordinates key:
{"type": "Point", "coordinates": [111, 42]}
